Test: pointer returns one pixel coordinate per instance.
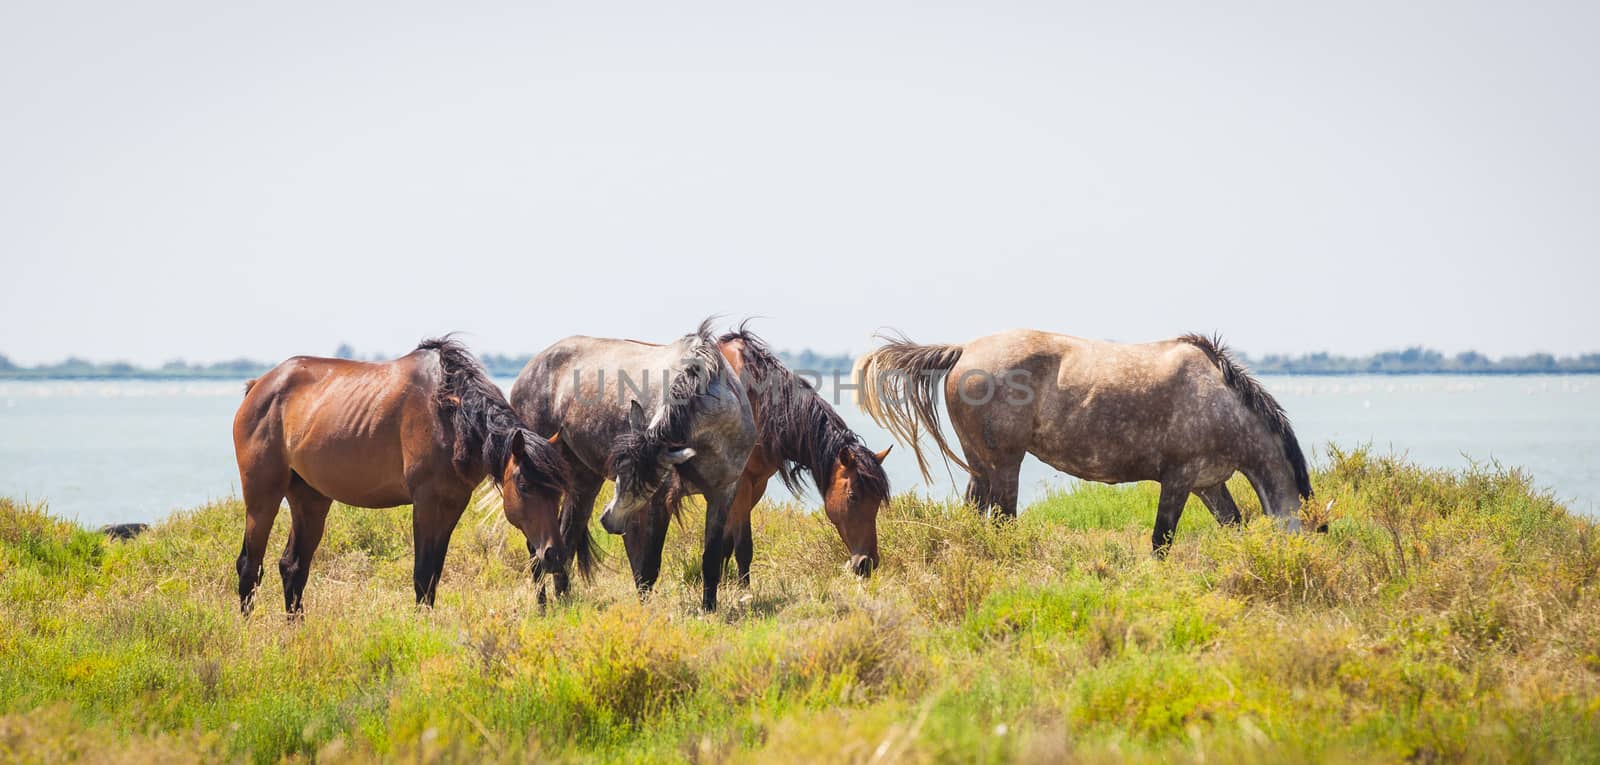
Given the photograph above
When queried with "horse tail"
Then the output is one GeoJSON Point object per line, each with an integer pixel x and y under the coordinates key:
{"type": "Point", "coordinates": [898, 385]}
{"type": "Point", "coordinates": [578, 540]}
{"type": "Point", "coordinates": [1257, 400]}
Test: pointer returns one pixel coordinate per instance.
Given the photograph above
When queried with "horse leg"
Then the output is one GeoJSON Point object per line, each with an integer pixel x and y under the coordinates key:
{"type": "Point", "coordinates": [743, 552]}
{"type": "Point", "coordinates": [1168, 510]}
{"type": "Point", "coordinates": [1004, 487]}
{"type": "Point", "coordinates": [263, 488]}
{"type": "Point", "coordinates": [993, 487]}
{"type": "Point", "coordinates": [1220, 503]}
{"type": "Point", "coordinates": [978, 491]}
{"type": "Point", "coordinates": [738, 541]}
{"type": "Point", "coordinates": [308, 513]}
{"type": "Point", "coordinates": [645, 541]}
{"type": "Point", "coordinates": [995, 469]}
{"type": "Point", "coordinates": [433, 519]}
{"type": "Point", "coordinates": [718, 504]}
{"type": "Point", "coordinates": [576, 507]}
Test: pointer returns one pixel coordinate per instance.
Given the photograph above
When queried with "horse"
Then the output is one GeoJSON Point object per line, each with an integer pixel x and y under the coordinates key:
{"type": "Point", "coordinates": [1181, 412]}
{"type": "Point", "coordinates": [424, 430]}
{"type": "Point", "coordinates": [671, 411]}
{"type": "Point", "coordinates": [799, 436]}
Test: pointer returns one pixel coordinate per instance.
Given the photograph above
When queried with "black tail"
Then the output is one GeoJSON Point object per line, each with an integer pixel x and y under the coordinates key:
{"type": "Point", "coordinates": [898, 392]}
{"type": "Point", "coordinates": [1258, 400]}
{"type": "Point", "coordinates": [578, 542]}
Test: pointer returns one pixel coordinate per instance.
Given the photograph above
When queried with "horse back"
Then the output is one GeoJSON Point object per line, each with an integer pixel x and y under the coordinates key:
{"type": "Point", "coordinates": [1100, 410]}
{"type": "Point", "coordinates": [562, 388]}
{"type": "Point", "coordinates": [573, 387]}
{"type": "Point", "coordinates": [349, 429]}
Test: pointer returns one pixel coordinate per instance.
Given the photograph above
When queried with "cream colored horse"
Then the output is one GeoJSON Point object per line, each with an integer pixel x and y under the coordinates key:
{"type": "Point", "coordinates": [1180, 412]}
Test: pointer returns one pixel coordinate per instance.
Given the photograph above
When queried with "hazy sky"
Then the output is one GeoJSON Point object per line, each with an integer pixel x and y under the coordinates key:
{"type": "Point", "coordinates": [211, 181]}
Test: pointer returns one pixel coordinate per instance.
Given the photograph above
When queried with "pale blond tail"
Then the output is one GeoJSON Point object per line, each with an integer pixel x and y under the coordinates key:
{"type": "Point", "coordinates": [899, 386]}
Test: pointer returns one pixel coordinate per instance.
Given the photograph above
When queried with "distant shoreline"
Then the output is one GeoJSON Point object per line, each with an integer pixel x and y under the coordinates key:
{"type": "Point", "coordinates": [4, 377]}
{"type": "Point", "coordinates": [1411, 361]}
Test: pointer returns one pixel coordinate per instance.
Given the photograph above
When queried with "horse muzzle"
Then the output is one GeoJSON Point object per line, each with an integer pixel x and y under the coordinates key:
{"type": "Point", "coordinates": [547, 558]}
{"type": "Point", "coordinates": [861, 565]}
{"type": "Point", "coordinates": [609, 522]}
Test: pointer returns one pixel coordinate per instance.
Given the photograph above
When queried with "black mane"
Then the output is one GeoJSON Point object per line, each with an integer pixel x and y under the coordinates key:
{"type": "Point", "coordinates": [485, 425]}
{"type": "Point", "coordinates": [638, 453]}
{"type": "Point", "coordinates": [799, 426]}
{"type": "Point", "coordinates": [1258, 400]}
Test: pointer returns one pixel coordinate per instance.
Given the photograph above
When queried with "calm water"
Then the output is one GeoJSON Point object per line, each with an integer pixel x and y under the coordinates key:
{"type": "Point", "coordinates": [134, 451]}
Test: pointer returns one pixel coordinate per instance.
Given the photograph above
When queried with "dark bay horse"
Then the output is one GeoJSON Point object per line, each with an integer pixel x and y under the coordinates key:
{"type": "Point", "coordinates": [424, 430]}
{"type": "Point", "coordinates": [798, 436]}
{"type": "Point", "coordinates": [640, 414]}
{"type": "Point", "coordinates": [1181, 412]}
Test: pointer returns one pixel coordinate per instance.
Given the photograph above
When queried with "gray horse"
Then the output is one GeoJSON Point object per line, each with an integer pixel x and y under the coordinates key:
{"type": "Point", "coordinates": [639, 413]}
{"type": "Point", "coordinates": [1181, 412]}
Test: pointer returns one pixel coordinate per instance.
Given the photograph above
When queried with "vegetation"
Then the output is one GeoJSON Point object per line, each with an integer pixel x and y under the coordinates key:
{"type": "Point", "coordinates": [80, 369]}
{"type": "Point", "coordinates": [1445, 617]}
{"type": "Point", "coordinates": [1417, 360]}
{"type": "Point", "coordinates": [498, 364]}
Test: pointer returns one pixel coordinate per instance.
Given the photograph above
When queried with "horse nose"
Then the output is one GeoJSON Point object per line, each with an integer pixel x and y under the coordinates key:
{"type": "Point", "coordinates": [862, 565]}
{"type": "Point", "coordinates": [609, 522]}
{"type": "Point", "coordinates": [548, 557]}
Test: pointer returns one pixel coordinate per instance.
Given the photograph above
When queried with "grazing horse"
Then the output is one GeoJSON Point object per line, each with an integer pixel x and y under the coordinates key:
{"type": "Point", "coordinates": [798, 433]}
{"type": "Point", "coordinates": [640, 414]}
{"type": "Point", "coordinates": [1181, 412]}
{"type": "Point", "coordinates": [424, 429]}
{"type": "Point", "coordinates": [801, 435]}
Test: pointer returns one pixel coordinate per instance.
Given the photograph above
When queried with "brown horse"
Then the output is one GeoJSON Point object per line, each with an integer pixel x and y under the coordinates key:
{"type": "Point", "coordinates": [425, 429]}
{"type": "Point", "coordinates": [799, 436]}
{"type": "Point", "coordinates": [1181, 412]}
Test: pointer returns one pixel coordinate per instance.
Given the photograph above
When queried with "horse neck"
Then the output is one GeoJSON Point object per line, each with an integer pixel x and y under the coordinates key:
{"type": "Point", "coordinates": [803, 447]}
{"type": "Point", "coordinates": [482, 460]}
{"type": "Point", "coordinates": [1272, 476]}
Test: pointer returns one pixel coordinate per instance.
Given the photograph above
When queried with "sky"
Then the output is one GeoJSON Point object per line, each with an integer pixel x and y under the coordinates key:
{"type": "Point", "coordinates": [220, 180]}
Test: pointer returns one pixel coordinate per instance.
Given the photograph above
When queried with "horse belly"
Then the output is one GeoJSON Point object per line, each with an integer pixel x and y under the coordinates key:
{"type": "Point", "coordinates": [365, 472]}
{"type": "Point", "coordinates": [353, 480]}
{"type": "Point", "coordinates": [1098, 464]}
{"type": "Point", "coordinates": [1093, 449]}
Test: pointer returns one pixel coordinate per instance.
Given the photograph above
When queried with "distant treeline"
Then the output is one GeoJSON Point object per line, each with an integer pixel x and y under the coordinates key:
{"type": "Point", "coordinates": [498, 364]}
{"type": "Point", "coordinates": [79, 369]}
{"type": "Point", "coordinates": [1407, 362]}
{"type": "Point", "coordinates": [1413, 361]}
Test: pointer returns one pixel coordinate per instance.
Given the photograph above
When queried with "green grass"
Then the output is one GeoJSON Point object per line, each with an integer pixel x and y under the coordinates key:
{"type": "Point", "coordinates": [1445, 617]}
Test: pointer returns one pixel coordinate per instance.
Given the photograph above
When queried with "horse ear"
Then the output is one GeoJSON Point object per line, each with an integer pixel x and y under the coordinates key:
{"type": "Point", "coordinates": [519, 444]}
{"type": "Point", "coordinates": [883, 454]}
{"type": "Point", "coordinates": [677, 456]}
{"type": "Point", "coordinates": [635, 415]}
{"type": "Point", "coordinates": [554, 437]}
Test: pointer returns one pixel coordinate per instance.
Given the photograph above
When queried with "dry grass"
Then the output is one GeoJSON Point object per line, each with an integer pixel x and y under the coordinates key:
{"type": "Point", "coordinates": [1445, 617]}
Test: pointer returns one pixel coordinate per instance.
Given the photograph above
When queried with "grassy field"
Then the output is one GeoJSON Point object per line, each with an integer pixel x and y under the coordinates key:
{"type": "Point", "coordinates": [1445, 617]}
